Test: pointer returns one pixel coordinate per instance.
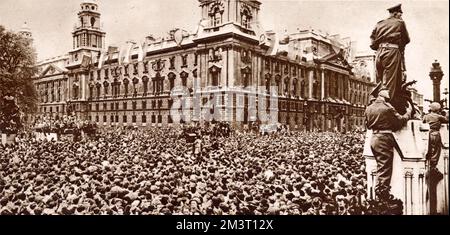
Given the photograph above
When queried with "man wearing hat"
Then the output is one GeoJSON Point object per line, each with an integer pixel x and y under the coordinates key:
{"type": "Point", "coordinates": [435, 143]}
{"type": "Point", "coordinates": [389, 39]}
{"type": "Point", "coordinates": [383, 119]}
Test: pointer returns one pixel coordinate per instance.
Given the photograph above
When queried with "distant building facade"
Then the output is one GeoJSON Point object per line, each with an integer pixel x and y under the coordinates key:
{"type": "Point", "coordinates": [316, 87]}
{"type": "Point", "coordinates": [417, 98]}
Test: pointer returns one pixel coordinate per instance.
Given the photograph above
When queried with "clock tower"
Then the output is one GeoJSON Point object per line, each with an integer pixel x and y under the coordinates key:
{"type": "Point", "coordinates": [88, 35]}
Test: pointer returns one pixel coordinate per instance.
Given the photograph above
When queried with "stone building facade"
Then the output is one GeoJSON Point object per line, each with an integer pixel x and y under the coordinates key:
{"type": "Point", "coordinates": [134, 84]}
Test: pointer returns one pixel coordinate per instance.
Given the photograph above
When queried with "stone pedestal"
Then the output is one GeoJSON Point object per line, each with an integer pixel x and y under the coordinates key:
{"type": "Point", "coordinates": [409, 182]}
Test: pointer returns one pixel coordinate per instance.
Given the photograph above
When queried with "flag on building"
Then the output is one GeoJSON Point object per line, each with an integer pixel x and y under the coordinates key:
{"type": "Point", "coordinates": [122, 52]}
{"type": "Point", "coordinates": [111, 51]}
{"type": "Point", "coordinates": [142, 51]}
{"type": "Point", "coordinates": [86, 61]}
{"type": "Point", "coordinates": [101, 60]}
{"type": "Point", "coordinates": [275, 43]}
{"type": "Point", "coordinates": [127, 56]}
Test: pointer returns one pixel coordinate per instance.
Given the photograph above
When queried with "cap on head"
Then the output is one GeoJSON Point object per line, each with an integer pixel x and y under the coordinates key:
{"type": "Point", "coordinates": [384, 93]}
{"type": "Point", "coordinates": [435, 106]}
{"type": "Point", "coordinates": [396, 8]}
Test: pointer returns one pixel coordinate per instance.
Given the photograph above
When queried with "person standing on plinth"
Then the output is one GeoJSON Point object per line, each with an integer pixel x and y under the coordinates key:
{"type": "Point", "coordinates": [389, 39]}
{"type": "Point", "coordinates": [383, 120]}
{"type": "Point", "coordinates": [435, 143]}
{"type": "Point", "coordinates": [198, 145]}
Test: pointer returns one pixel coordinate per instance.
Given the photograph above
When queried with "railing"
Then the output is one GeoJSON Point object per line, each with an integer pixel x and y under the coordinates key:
{"type": "Point", "coordinates": [410, 181]}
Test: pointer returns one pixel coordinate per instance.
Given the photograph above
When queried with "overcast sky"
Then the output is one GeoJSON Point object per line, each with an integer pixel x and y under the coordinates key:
{"type": "Point", "coordinates": [52, 21]}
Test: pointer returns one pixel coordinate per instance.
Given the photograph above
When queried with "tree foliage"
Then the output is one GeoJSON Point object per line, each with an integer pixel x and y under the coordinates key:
{"type": "Point", "coordinates": [17, 69]}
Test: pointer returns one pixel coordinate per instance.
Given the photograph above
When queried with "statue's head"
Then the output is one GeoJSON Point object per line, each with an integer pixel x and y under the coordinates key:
{"type": "Point", "coordinates": [384, 94]}
{"type": "Point", "coordinates": [435, 107]}
{"type": "Point", "coordinates": [396, 11]}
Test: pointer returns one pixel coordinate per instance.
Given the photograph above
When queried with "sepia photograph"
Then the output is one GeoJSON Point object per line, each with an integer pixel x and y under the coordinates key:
{"type": "Point", "coordinates": [224, 107]}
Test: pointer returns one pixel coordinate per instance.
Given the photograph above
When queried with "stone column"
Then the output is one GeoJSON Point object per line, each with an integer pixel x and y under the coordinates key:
{"type": "Point", "coordinates": [322, 86]}
{"type": "Point", "coordinates": [310, 83]}
{"type": "Point", "coordinates": [231, 66]}
{"type": "Point", "coordinates": [82, 86]}
{"type": "Point", "coordinates": [223, 71]}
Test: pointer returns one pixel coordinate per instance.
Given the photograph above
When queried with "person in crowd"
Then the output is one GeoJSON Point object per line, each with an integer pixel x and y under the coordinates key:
{"type": "Point", "coordinates": [152, 171]}
{"type": "Point", "coordinates": [383, 119]}
{"type": "Point", "coordinates": [435, 120]}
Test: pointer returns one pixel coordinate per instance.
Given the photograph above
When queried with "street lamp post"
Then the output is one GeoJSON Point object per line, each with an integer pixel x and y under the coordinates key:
{"type": "Point", "coordinates": [306, 115]}
{"type": "Point", "coordinates": [436, 75]}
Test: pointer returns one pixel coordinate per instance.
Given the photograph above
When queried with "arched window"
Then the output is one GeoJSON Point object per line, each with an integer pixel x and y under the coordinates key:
{"type": "Point", "coordinates": [184, 77]}
{"type": "Point", "coordinates": [98, 86]}
{"type": "Point", "coordinates": [171, 81]}
{"type": "Point", "coordinates": [92, 22]}
{"type": "Point", "coordinates": [125, 85]}
{"type": "Point", "coordinates": [215, 75]}
{"type": "Point", "coordinates": [145, 85]}
{"type": "Point", "coordinates": [158, 84]}
{"type": "Point", "coordinates": [215, 15]}
{"type": "Point", "coordinates": [135, 85]}
{"type": "Point", "coordinates": [91, 91]}
{"type": "Point", "coordinates": [294, 87]}
{"type": "Point", "coordinates": [217, 18]}
{"type": "Point", "coordinates": [246, 18]}
{"type": "Point", "coordinates": [106, 88]}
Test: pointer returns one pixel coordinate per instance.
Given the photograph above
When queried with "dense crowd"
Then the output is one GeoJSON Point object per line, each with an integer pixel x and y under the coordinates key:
{"type": "Point", "coordinates": [155, 171]}
{"type": "Point", "coordinates": [63, 125]}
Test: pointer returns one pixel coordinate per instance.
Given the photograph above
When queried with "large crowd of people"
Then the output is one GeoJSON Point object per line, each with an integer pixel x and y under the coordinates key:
{"type": "Point", "coordinates": [65, 124]}
{"type": "Point", "coordinates": [155, 171]}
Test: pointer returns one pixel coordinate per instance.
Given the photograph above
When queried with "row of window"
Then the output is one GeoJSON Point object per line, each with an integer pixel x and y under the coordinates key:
{"type": "Point", "coordinates": [115, 106]}
{"type": "Point", "coordinates": [46, 85]}
{"type": "Point", "coordinates": [50, 109]}
{"type": "Point", "coordinates": [294, 106]}
{"type": "Point", "coordinates": [216, 16]}
{"type": "Point", "coordinates": [278, 66]}
{"type": "Point", "coordinates": [293, 88]}
{"type": "Point", "coordinates": [134, 68]}
{"type": "Point", "coordinates": [157, 85]}
{"type": "Point", "coordinates": [115, 119]}
{"type": "Point", "coordinates": [45, 97]}
{"type": "Point", "coordinates": [158, 88]}
{"type": "Point", "coordinates": [87, 39]}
